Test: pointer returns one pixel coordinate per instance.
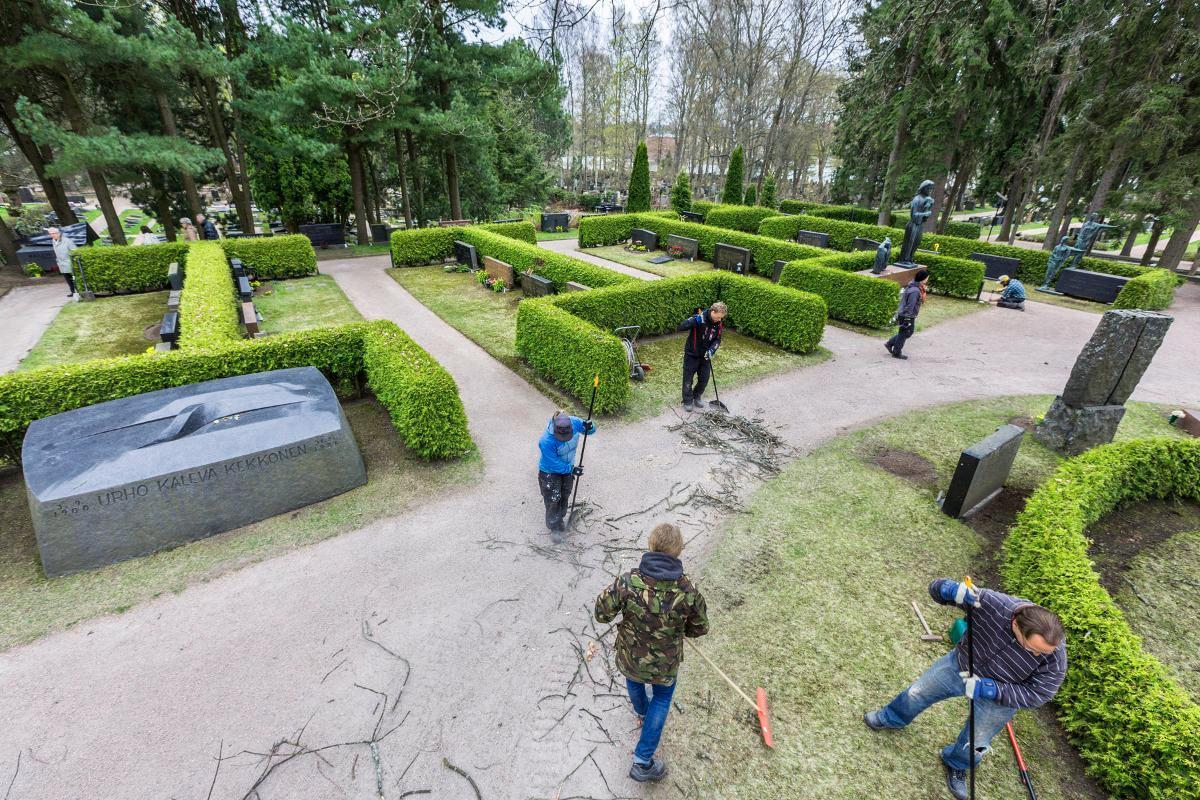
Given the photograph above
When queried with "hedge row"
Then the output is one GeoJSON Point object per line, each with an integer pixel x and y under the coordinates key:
{"type": "Point", "coordinates": [957, 277]}
{"type": "Point", "coordinates": [274, 257]}
{"type": "Point", "coordinates": [1153, 290]}
{"type": "Point", "coordinates": [130, 269]}
{"type": "Point", "coordinates": [429, 416]}
{"type": "Point", "coordinates": [547, 263]}
{"type": "Point", "coordinates": [567, 339]}
{"type": "Point", "coordinates": [867, 216]}
{"type": "Point", "coordinates": [1137, 730]}
{"type": "Point", "coordinates": [963, 230]}
{"type": "Point", "coordinates": [859, 299]}
{"type": "Point", "coordinates": [703, 206]}
{"type": "Point", "coordinates": [738, 218]}
{"type": "Point", "coordinates": [595, 231]}
{"type": "Point", "coordinates": [208, 314]}
{"type": "Point", "coordinates": [419, 246]}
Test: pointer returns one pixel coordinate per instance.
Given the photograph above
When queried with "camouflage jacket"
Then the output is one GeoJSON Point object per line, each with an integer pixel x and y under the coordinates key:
{"type": "Point", "coordinates": [655, 616]}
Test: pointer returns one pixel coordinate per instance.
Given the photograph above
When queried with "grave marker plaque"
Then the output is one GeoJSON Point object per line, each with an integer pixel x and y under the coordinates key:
{"type": "Point", "coordinates": [778, 270]}
{"type": "Point", "coordinates": [466, 254]}
{"type": "Point", "coordinates": [500, 271]}
{"type": "Point", "coordinates": [168, 329]}
{"type": "Point", "coordinates": [245, 290]}
{"type": "Point", "coordinates": [647, 239]}
{"type": "Point", "coordinates": [691, 216]}
{"type": "Point", "coordinates": [536, 285]}
{"type": "Point", "coordinates": [812, 238]}
{"type": "Point", "coordinates": [174, 277]}
{"type": "Point", "coordinates": [995, 266]}
{"type": "Point", "coordinates": [324, 234]}
{"type": "Point", "coordinates": [381, 233]}
{"type": "Point", "coordinates": [690, 247]}
{"type": "Point", "coordinates": [981, 472]}
{"type": "Point", "coordinates": [572, 286]}
{"type": "Point", "coordinates": [1098, 286]}
{"type": "Point", "coordinates": [552, 222]}
{"type": "Point", "coordinates": [733, 259]}
{"type": "Point", "coordinates": [129, 477]}
{"type": "Point", "coordinates": [173, 300]}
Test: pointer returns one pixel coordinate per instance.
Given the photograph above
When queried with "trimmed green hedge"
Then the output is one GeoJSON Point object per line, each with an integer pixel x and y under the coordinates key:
{"type": "Point", "coordinates": [963, 230]}
{"type": "Point", "coordinates": [274, 257]}
{"type": "Point", "coordinates": [738, 218]}
{"type": "Point", "coordinates": [419, 246]}
{"type": "Point", "coordinates": [595, 231]}
{"type": "Point", "coordinates": [867, 216]}
{"type": "Point", "coordinates": [547, 263]}
{"type": "Point", "coordinates": [428, 417]}
{"type": "Point", "coordinates": [703, 206]}
{"type": "Point", "coordinates": [957, 277]}
{"type": "Point", "coordinates": [208, 315]}
{"type": "Point", "coordinates": [567, 339]}
{"type": "Point", "coordinates": [130, 269]}
{"type": "Point", "coordinates": [1137, 730]}
{"type": "Point", "coordinates": [859, 299]}
{"type": "Point", "coordinates": [521, 231]}
{"type": "Point", "coordinates": [1153, 290]}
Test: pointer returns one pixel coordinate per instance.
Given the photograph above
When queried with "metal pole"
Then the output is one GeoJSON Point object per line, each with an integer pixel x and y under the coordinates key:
{"type": "Point", "coordinates": [583, 447]}
{"type": "Point", "coordinates": [971, 674]}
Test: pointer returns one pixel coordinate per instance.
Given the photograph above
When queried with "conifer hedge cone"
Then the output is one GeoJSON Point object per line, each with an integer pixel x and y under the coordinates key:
{"type": "Point", "coordinates": [639, 182]}
{"type": "Point", "coordinates": [734, 178]}
{"type": "Point", "coordinates": [681, 193]}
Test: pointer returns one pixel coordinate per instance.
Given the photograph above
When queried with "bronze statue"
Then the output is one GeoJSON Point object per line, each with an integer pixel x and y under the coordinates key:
{"type": "Point", "coordinates": [1055, 263]}
{"type": "Point", "coordinates": [881, 256]}
{"type": "Point", "coordinates": [920, 209]}
{"type": "Point", "coordinates": [1087, 237]}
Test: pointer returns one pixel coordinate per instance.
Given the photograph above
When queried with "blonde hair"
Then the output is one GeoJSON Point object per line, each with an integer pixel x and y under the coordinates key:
{"type": "Point", "coordinates": [666, 538]}
{"type": "Point", "coordinates": [719, 307]}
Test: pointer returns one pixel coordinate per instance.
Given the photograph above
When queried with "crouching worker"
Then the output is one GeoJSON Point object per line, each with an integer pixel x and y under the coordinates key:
{"type": "Point", "coordinates": [704, 337]}
{"type": "Point", "coordinates": [659, 606]}
{"type": "Point", "coordinates": [556, 464]}
{"type": "Point", "coordinates": [1012, 294]}
{"type": "Point", "coordinates": [1020, 661]}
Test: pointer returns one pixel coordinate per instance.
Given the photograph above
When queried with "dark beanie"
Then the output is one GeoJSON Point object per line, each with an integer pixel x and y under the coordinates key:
{"type": "Point", "coordinates": [921, 275]}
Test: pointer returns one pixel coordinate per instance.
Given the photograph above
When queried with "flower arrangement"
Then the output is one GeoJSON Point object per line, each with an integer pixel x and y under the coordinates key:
{"type": "Point", "coordinates": [675, 251]}
{"type": "Point", "coordinates": [636, 247]}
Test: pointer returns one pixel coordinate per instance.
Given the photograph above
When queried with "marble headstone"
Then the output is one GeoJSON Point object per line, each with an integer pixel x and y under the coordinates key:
{"type": "Point", "coordinates": [129, 477]}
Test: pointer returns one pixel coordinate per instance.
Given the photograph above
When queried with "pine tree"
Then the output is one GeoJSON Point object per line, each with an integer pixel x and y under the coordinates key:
{"type": "Point", "coordinates": [768, 194]}
{"type": "Point", "coordinates": [732, 194]}
{"type": "Point", "coordinates": [681, 193]}
{"type": "Point", "coordinates": [639, 182]}
{"type": "Point", "coordinates": [751, 196]}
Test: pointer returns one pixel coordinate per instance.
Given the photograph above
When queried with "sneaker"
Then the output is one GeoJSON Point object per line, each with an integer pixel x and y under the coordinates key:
{"type": "Point", "coordinates": [653, 772]}
{"type": "Point", "coordinates": [899, 355]}
{"type": "Point", "coordinates": [688, 405]}
{"type": "Point", "coordinates": [956, 781]}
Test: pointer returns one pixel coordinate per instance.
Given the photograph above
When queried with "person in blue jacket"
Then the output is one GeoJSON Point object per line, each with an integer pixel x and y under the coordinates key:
{"type": "Point", "coordinates": [556, 464]}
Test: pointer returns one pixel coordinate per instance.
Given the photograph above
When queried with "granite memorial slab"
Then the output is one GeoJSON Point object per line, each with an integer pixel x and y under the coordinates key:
{"type": "Point", "coordinates": [689, 248]}
{"type": "Point", "coordinates": [250, 319]}
{"type": "Point", "coordinates": [324, 234]}
{"type": "Point", "coordinates": [380, 233]}
{"type": "Point", "coordinates": [174, 277]}
{"type": "Point", "coordinates": [647, 239]}
{"type": "Point", "coordinates": [536, 285]}
{"type": "Point", "coordinates": [777, 270]}
{"type": "Point", "coordinates": [553, 222]}
{"type": "Point", "coordinates": [692, 216]}
{"type": "Point", "coordinates": [173, 300]}
{"type": "Point", "coordinates": [995, 266]}
{"type": "Point", "coordinates": [500, 270]}
{"type": "Point", "coordinates": [901, 276]}
{"type": "Point", "coordinates": [812, 238]}
{"type": "Point", "coordinates": [129, 477]}
{"type": "Point", "coordinates": [168, 329]}
{"type": "Point", "coordinates": [244, 289]}
{"type": "Point", "coordinates": [863, 243]}
{"type": "Point", "coordinates": [1088, 285]}
{"type": "Point", "coordinates": [466, 254]}
{"type": "Point", "coordinates": [572, 286]}
{"type": "Point", "coordinates": [505, 221]}
{"type": "Point", "coordinates": [42, 255]}
{"type": "Point", "coordinates": [981, 472]}
{"type": "Point", "coordinates": [734, 259]}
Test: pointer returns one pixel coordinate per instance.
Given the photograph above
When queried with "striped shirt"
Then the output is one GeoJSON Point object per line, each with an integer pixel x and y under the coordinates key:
{"type": "Point", "coordinates": [1025, 680]}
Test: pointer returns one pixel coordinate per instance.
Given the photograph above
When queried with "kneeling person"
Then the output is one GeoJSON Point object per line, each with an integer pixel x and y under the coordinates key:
{"type": "Point", "coordinates": [1020, 662]}
{"type": "Point", "coordinates": [704, 337]}
{"type": "Point", "coordinates": [1013, 294]}
{"type": "Point", "coordinates": [556, 464]}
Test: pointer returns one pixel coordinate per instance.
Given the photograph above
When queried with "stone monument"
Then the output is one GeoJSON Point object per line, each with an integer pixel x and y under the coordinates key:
{"type": "Point", "coordinates": [1090, 229]}
{"type": "Point", "coordinates": [920, 210]}
{"type": "Point", "coordinates": [981, 472]}
{"type": "Point", "coordinates": [128, 477]}
{"type": "Point", "coordinates": [1105, 374]}
{"type": "Point", "coordinates": [881, 255]}
{"type": "Point", "coordinates": [1054, 264]}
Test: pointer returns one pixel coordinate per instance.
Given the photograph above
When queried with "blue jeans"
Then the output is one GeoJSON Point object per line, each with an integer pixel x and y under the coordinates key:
{"type": "Point", "coordinates": [654, 715]}
{"type": "Point", "coordinates": [942, 682]}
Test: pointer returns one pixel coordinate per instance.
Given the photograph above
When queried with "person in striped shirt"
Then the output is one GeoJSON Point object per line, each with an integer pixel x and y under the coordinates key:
{"type": "Point", "coordinates": [1020, 662]}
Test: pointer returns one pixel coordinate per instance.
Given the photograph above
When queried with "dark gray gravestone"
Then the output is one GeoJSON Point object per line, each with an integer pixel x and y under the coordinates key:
{"type": "Point", "coordinates": [812, 238]}
{"type": "Point", "coordinates": [996, 266]}
{"type": "Point", "coordinates": [244, 289]}
{"type": "Point", "coordinates": [660, 260]}
{"type": "Point", "coordinates": [691, 216]}
{"type": "Point", "coordinates": [173, 300]}
{"type": "Point", "coordinates": [324, 234]}
{"type": "Point", "coordinates": [778, 270]}
{"type": "Point", "coordinates": [174, 277]}
{"type": "Point", "coordinates": [381, 233]}
{"type": "Point", "coordinates": [862, 243]}
{"type": "Point", "coordinates": [1098, 286]}
{"type": "Point", "coordinates": [536, 286]}
{"type": "Point", "coordinates": [168, 329]}
{"type": "Point", "coordinates": [731, 258]}
{"type": "Point", "coordinates": [125, 478]}
{"type": "Point", "coordinates": [34, 254]}
{"type": "Point", "coordinates": [981, 472]}
{"type": "Point", "coordinates": [572, 286]}
{"type": "Point", "coordinates": [466, 254]}
{"type": "Point", "coordinates": [648, 239]}
{"type": "Point", "coordinates": [552, 222]}
{"type": "Point", "coordinates": [690, 247]}
{"type": "Point", "coordinates": [1104, 376]}
{"type": "Point", "coordinates": [506, 221]}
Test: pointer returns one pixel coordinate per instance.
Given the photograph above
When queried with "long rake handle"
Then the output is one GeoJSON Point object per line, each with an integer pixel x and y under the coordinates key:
{"type": "Point", "coordinates": [720, 672]}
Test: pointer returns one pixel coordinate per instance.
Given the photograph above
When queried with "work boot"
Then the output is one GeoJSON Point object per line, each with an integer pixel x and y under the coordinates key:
{"type": "Point", "coordinates": [898, 354]}
{"type": "Point", "coordinates": [688, 405]}
{"type": "Point", "coordinates": [956, 781]}
{"type": "Point", "coordinates": [872, 721]}
{"type": "Point", "coordinates": [887, 346]}
{"type": "Point", "coordinates": [653, 772]}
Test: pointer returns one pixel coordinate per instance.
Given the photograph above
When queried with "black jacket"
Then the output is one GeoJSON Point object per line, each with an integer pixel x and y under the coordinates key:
{"type": "Point", "coordinates": [702, 337]}
{"type": "Point", "coordinates": [209, 231]}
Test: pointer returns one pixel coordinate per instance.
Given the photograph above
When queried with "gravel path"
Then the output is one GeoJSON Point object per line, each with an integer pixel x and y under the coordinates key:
{"type": "Point", "coordinates": [464, 588]}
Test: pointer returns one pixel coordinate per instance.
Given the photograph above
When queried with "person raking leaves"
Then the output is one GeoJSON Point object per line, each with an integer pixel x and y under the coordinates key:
{"type": "Point", "coordinates": [704, 337]}
{"type": "Point", "coordinates": [556, 465]}
{"type": "Point", "coordinates": [658, 606]}
{"type": "Point", "coordinates": [1020, 660]}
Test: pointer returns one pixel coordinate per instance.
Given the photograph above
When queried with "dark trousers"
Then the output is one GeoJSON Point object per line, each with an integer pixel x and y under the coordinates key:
{"type": "Point", "coordinates": [1005, 303]}
{"type": "Point", "coordinates": [896, 343]}
{"type": "Point", "coordinates": [696, 371]}
{"type": "Point", "coordinates": [556, 494]}
{"type": "Point", "coordinates": [70, 281]}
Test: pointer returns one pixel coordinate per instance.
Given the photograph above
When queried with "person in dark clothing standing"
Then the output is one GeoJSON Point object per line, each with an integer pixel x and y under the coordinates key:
{"type": "Point", "coordinates": [659, 606]}
{"type": "Point", "coordinates": [556, 465]}
{"type": "Point", "coordinates": [704, 337]}
{"type": "Point", "coordinates": [1020, 662]}
{"type": "Point", "coordinates": [911, 298]}
{"type": "Point", "coordinates": [207, 229]}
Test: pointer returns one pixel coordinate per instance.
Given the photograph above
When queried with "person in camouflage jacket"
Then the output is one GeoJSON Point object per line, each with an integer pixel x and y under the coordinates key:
{"type": "Point", "coordinates": [659, 606]}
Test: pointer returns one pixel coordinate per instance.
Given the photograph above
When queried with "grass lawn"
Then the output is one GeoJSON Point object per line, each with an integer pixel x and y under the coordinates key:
{"type": "Point", "coordinates": [808, 596]}
{"type": "Point", "coordinates": [1032, 295]}
{"type": "Point", "coordinates": [937, 308]}
{"type": "Point", "coordinates": [93, 215]}
{"type": "Point", "coordinates": [303, 303]}
{"type": "Point", "coordinates": [32, 606]}
{"type": "Point", "coordinates": [490, 320]}
{"type": "Point", "coordinates": [354, 251]}
{"type": "Point", "coordinates": [106, 327]}
{"type": "Point", "coordinates": [1161, 600]}
{"type": "Point", "coordinates": [543, 236]}
{"type": "Point", "coordinates": [131, 227]}
{"type": "Point", "coordinates": [671, 269]}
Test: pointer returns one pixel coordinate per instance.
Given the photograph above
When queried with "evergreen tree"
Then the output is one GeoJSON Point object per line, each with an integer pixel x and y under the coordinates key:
{"type": "Point", "coordinates": [681, 193]}
{"type": "Point", "coordinates": [732, 194]}
{"type": "Point", "coordinates": [639, 182]}
{"type": "Point", "coordinates": [751, 197]}
{"type": "Point", "coordinates": [768, 193]}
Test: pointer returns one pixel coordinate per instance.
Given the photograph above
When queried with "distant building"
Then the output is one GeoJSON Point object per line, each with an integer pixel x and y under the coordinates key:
{"type": "Point", "coordinates": [661, 151]}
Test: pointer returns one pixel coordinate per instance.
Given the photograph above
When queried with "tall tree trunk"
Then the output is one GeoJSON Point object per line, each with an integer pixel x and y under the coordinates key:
{"type": "Point", "coordinates": [38, 157]}
{"type": "Point", "coordinates": [1064, 198]}
{"type": "Point", "coordinates": [185, 177]}
{"type": "Point", "coordinates": [8, 245]}
{"type": "Point", "coordinates": [1115, 160]}
{"type": "Point", "coordinates": [354, 162]}
{"type": "Point", "coordinates": [887, 198]}
{"type": "Point", "coordinates": [1135, 228]}
{"type": "Point", "coordinates": [75, 118]}
{"type": "Point", "coordinates": [243, 177]}
{"type": "Point", "coordinates": [377, 199]}
{"type": "Point", "coordinates": [401, 159]}
{"type": "Point", "coordinates": [212, 109]}
{"type": "Point", "coordinates": [162, 203]}
{"type": "Point", "coordinates": [954, 198]}
{"type": "Point", "coordinates": [418, 191]}
{"type": "Point", "coordinates": [1181, 236]}
{"type": "Point", "coordinates": [452, 183]}
{"type": "Point", "coordinates": [1156, 229]}
{"type": "Point", "coordinates": [950, 157]}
